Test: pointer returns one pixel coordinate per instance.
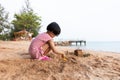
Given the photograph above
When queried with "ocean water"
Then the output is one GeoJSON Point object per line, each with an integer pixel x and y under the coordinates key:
{"type": "Point", "coordinates": [109, 46]}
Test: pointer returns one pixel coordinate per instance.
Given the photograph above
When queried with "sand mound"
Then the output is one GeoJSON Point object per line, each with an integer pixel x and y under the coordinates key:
{"type": "Point", "coordinates": [17, 65]}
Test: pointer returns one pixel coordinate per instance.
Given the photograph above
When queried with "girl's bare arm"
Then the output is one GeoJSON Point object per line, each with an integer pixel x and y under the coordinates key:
{"type": "Point", "coordinates": [53, 47]}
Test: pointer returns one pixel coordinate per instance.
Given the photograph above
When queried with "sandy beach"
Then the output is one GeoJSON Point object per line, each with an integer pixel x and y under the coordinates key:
{"type": "Point", "coordinates": [16, 64]}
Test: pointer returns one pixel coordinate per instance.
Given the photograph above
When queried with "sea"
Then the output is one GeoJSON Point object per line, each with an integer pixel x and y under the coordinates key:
{"type": "Point", "coordinates": [109, 46]}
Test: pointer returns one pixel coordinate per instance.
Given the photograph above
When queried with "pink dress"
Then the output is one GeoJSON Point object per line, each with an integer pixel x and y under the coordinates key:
{"type": "Point", "coordinates": [35, 48]}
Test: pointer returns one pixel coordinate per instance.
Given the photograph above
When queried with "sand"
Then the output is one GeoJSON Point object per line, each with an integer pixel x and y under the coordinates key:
{"type": "Point", "coordinates": [16, 64]}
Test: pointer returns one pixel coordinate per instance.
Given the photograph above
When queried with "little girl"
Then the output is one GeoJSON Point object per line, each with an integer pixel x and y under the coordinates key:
{"type": "Point", "coordinates": [43, 43]}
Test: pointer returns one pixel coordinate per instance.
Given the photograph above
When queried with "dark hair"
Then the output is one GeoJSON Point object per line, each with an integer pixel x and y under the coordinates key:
{"type": "Point", "coordinates": [54, 27]}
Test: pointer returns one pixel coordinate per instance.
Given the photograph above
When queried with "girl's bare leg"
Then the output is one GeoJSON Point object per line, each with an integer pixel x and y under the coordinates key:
{"type": "Point", "coordinates": [46, 49]}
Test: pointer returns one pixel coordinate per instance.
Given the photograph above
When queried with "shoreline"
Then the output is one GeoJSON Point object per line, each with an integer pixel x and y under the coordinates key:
{"type": "Point", "coordinates": [11, 46]}
{"type": "Point", "coordinates": [95, 52]}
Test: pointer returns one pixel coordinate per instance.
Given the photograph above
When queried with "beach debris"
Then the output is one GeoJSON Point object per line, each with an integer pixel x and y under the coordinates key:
{"type": "Point", "coordinates": [73, 60]}
{"type": "Point", "coordinates": [86, 55]}
{"type": "Point", "coordinates": [78, 52]}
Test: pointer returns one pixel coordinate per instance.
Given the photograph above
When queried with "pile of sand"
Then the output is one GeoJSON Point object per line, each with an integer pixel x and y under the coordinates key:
{"type": "Point", "coordinates": [15, 64]}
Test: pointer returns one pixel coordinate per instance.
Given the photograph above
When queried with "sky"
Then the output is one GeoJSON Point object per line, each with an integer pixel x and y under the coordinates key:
{"type": "Point", "coordinates": [90, 20]}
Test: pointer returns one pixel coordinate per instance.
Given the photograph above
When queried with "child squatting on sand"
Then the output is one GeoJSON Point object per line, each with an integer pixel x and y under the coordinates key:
{"type": "Point", "coordinates": [43, 43]}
